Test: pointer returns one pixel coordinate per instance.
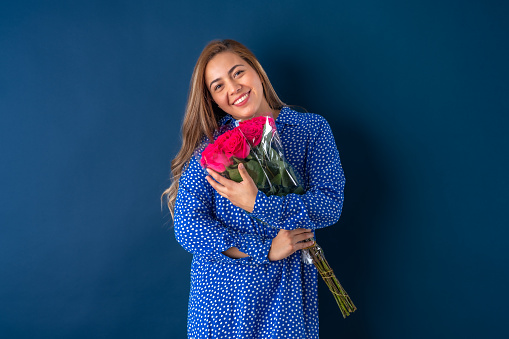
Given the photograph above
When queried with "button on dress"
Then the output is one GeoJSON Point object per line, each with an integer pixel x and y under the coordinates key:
{"type": "Point", "coordinates": [253, 297]}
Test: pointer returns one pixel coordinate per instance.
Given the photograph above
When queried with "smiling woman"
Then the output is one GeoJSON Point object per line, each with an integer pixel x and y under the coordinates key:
{"type": "Point", "coordinates": [247, 276]}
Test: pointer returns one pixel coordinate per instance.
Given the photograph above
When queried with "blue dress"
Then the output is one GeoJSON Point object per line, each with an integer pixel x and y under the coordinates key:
{"type": "Point", "coordinates": [253, 297]}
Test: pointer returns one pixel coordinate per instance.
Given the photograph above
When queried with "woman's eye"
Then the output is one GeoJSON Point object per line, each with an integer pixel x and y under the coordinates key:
{"type": "Point", "coordinates": [237, 73]}
{"type": "Point", "coordinates": [217, 87]}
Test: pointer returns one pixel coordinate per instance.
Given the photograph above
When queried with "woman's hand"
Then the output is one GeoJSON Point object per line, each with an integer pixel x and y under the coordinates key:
{"type": "Point", "coordinates": [241, 194]}
{"type": "Point", "coordinates": [288, 242]}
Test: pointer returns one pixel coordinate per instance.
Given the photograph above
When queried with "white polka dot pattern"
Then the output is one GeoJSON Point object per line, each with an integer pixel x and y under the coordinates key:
{"type": "Point", "coordinates": [253, 297]}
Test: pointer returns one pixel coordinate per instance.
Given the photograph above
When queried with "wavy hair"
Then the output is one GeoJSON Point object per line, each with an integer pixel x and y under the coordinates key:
{"type": "Point", "coordinates": [202, 113]}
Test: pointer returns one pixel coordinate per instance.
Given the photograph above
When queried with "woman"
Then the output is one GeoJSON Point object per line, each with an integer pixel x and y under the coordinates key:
{"type": "Point", "coordinates": [247, 277]}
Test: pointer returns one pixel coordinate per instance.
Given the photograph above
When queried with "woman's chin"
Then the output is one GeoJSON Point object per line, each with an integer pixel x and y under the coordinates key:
{"type": "Point", "coordinates": [243, 115]}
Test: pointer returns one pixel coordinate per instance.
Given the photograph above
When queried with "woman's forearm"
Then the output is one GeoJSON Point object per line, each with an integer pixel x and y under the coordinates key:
{"type": "Point", "coordinates": [234, 253]}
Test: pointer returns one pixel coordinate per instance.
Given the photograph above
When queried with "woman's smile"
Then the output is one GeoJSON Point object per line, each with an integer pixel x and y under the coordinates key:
{"type": "Point", "coordinates": [242, 100]}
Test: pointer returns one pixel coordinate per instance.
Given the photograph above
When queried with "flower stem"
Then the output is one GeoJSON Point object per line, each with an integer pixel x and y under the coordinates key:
{"type": "Point", "coordinates": [342, 299]}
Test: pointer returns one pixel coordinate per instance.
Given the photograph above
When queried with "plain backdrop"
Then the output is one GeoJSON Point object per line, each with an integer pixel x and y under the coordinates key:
{"type": "Point", "coordinates": [92, 95]}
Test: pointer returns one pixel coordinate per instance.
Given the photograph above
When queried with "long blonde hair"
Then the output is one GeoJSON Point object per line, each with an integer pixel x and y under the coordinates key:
{"type": "Point", "coordinates": [202, 114]}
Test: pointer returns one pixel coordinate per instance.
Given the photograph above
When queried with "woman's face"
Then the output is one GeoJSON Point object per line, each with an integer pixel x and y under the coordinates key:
{"type": "Point", "coordinates": [235, 86]}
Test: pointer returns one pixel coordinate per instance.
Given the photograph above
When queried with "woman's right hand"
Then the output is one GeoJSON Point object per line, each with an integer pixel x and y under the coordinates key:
{"type": "Point", "coordinates": [288, 242]}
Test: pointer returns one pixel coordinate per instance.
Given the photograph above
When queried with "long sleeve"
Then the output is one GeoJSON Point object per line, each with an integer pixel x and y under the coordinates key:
{"type": "Point", "coordinates": [199, 232]}
{"type": "Point", "coordinates": [322, 203]}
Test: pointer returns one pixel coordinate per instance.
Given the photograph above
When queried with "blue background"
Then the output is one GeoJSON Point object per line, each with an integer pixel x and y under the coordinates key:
{"type": "Point", "coordinates": [92, 95]}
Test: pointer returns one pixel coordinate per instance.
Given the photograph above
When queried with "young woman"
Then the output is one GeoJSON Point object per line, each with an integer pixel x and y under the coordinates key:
{"type": "Point", "coordinates": [247, 276]}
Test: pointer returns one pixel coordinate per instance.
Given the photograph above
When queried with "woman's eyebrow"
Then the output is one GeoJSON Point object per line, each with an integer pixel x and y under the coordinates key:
{"type": "Point", "coordinates": [229, 72]}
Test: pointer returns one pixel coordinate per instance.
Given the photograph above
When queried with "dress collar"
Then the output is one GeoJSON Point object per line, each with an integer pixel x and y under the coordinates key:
{"type": "Point", "coordinates": [227, 119]}
{"type": "Point", "coordinates": [287, 116]}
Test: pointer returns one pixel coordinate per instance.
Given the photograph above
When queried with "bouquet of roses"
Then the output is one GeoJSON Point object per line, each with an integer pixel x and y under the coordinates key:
{"type": "Point", "coordinates": [256, 144]}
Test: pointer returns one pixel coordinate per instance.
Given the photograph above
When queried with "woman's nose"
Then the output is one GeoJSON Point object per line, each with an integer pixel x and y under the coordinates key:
{"type": "Point", "coordinates": [235, 88]}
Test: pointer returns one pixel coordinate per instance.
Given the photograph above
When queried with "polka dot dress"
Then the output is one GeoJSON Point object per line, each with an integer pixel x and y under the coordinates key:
{"type": "Point", "coordinates": [253, 297]}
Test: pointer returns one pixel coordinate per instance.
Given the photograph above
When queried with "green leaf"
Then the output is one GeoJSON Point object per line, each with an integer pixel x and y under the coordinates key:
{"type": "Point", "coordinates": [255, 172]}
{"type": "Point", "coordinates": [272, 169]}
{"type": "Point", "coordinates": [299, 190]}
{"type": "Point", "coordinates": [234, 174]}
{"type": "Point", "coordinates": [274, 155]}
{"type": "Point", "coordinates": [236, 160]}
{"type": "Point", "coordinates": [276, 180]}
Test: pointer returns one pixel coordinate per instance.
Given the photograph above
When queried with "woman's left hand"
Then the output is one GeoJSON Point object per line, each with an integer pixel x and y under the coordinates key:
{"type": "Point", "coordinates": [241, 194]}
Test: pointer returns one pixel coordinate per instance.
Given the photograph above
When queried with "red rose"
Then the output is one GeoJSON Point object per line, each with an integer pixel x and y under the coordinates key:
{"type": "Point", "coordinates": [215, 158]}
{"type": "Point", "coordinates": [253, 131]}
{"type": "Point", "coordinates": [222, 139]}
{"type": "Point", "coordinates": [253, 128]}
{"type": "Point", "coordinates": [235, 144]}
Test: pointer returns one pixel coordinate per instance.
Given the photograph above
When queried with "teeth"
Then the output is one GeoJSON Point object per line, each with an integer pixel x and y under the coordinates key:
{"type": "Point", "coordinates": [238, 101]}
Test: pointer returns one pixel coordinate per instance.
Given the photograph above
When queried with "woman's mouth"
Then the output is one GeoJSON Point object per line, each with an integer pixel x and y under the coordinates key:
{"type": "Point", "coordinates": [240, 101]}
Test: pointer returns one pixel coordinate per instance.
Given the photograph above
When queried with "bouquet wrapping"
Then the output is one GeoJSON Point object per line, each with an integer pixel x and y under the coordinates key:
{"type": "Point", "coordinates": [256, 144]}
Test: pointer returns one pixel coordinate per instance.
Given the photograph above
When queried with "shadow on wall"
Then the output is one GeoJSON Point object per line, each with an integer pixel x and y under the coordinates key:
{"type": "Point", "coordinates": [349, 244]}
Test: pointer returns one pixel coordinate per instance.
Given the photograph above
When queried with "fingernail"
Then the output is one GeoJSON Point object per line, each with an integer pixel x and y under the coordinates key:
{"type": "Point", "coordinates": [241, 166]}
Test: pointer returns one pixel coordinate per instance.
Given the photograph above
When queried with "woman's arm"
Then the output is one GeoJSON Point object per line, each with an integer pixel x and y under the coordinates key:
{"type": "Point", "coordinates": [283, 245]}
{"type": "Point", "coordinates": [320, 206]}
{"type": "Point", "coordinates": [199, 232]}
{"type": "Point", "coordinates": [322, 203]}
